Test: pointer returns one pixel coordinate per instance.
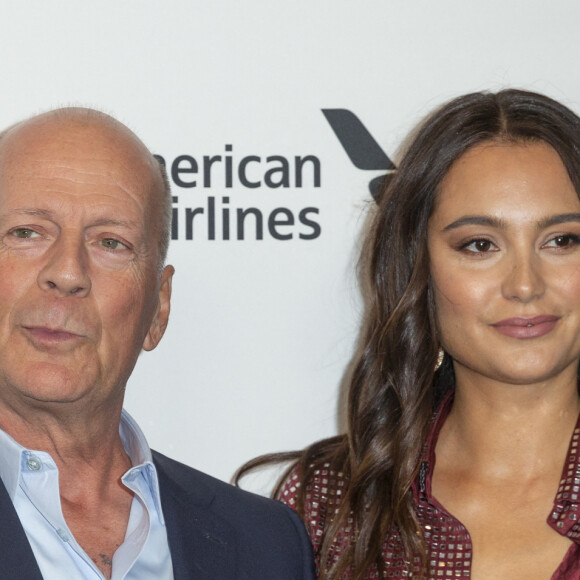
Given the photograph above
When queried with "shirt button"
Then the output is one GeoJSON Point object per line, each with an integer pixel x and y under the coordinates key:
{"type": "Point", "coordinates": [34, 464]}
{"type": "Point", "coordinates": [63, 535]}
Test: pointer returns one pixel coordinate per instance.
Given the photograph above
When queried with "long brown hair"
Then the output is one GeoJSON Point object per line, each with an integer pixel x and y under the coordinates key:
{"type": "Point", "coordinates": [394, 388]}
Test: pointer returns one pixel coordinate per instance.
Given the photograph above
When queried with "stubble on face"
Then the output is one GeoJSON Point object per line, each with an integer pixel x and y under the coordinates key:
{"type": "Point", "coordinates": [71, 183]}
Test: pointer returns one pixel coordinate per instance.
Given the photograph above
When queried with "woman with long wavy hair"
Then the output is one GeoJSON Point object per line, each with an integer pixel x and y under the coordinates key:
{"type": "Point", "coordinates": [460, 457]}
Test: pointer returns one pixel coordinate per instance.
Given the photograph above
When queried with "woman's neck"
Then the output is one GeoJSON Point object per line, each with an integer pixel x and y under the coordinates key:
{"type": "Point", "coordinates": [505, 429]}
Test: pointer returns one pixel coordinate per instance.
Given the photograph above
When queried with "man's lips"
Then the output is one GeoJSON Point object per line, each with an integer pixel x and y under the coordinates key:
{"type": "Point", "coordinates": [43, 334]}
{"type": "Point", "coordinates": [534, 327]}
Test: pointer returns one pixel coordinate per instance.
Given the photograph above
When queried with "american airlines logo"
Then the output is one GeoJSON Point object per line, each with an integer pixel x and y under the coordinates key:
{"type": "Point", "coordinates": [360, 146]}
{"type": "Point", "coordinates": [229, 175]}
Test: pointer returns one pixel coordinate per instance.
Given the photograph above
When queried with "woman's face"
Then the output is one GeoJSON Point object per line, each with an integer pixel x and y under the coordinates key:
{"type": "Point", "coordinates": [504, 246]}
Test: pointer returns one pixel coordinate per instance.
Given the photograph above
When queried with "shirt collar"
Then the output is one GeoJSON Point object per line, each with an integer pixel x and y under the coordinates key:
{"type": "Point", "coordinates": [133, 441]}
{"type": "Point", "coordinates": [565, 515]}
{"type": "Point", "coordinates": [422, 485]}
{"type": "Point", "coordinates": [139, 452]}
{"type": "Point", "coordinates": [10, 461]}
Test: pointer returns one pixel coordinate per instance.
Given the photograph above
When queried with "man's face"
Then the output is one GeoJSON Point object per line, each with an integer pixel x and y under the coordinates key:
{"type": "Point", "coordinates": [80, 290]}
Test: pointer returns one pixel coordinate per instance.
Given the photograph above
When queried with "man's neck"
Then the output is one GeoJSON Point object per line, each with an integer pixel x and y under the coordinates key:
{"type": "Point", "coordinates": [91, 460]}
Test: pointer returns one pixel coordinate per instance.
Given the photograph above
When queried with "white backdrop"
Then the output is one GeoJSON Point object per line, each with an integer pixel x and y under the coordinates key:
{"type": "Point", "coordinates": [262, 330]}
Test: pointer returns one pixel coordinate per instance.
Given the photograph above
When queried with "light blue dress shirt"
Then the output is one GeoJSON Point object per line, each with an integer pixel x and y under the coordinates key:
{"type": "Point", "coordinates": [31, 479]}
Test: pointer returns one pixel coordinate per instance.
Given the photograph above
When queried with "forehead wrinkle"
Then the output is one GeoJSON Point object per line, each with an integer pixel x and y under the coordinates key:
{"type": "Point", "coordinates": [49, 184]}
{"type": "Point", "coordinates": [109, 158]}
{"type": "Point", "coordinates": [52, 216]}
{"type": "Point", "coordinates": [67, 172]}
{"type": "Point", "coordinates": [29, 211]}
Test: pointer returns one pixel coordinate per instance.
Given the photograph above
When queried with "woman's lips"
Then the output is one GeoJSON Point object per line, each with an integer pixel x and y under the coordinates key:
{"type": "Point", "coordinates": [526, 327]}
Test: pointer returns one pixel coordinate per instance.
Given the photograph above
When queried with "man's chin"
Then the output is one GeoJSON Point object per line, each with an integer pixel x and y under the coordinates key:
{"type": "Point", "coordinates": [47, 383]}
{"type": "Point", "coordinates": [48, 395]}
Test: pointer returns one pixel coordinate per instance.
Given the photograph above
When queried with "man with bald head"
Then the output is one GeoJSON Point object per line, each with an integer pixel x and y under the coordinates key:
{"type": "Point", "coordinates": [84, 229]}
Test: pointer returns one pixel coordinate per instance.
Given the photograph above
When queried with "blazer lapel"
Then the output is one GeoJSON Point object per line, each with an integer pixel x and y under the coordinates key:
{"type": "Point", "coordinates": [203, 545]}
{"type": "Point", "coordinates": [17, 558]}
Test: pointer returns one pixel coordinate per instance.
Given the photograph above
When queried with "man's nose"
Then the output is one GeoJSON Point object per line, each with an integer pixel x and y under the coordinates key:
{"type": "Point", "coordinates": [65, 270]}
{"type": "Point", "coordinates": [523, 280]}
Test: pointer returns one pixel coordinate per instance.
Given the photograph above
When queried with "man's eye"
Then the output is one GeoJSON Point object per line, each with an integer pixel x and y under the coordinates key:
{"type": "Point", "coordinates": [112, 244]}
{"type": "Point", "coordinates": [24, 233]}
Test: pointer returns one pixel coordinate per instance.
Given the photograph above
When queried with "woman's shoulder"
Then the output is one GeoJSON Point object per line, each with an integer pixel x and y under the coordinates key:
{"type": "Point", "coordinates": [316, 494]}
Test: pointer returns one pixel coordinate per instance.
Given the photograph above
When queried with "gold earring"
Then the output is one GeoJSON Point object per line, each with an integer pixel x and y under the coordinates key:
{"type": "Point", "coordinates": [440, 356]}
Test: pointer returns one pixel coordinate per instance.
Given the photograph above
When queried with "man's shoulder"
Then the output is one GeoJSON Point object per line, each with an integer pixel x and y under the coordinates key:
{"type": "Point", "coordinates": [205, 489]}
{"type": "Point", "coordinates": [205, 515]}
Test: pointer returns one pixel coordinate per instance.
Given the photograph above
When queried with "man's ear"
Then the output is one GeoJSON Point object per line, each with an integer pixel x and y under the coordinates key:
{"type": "Point", "coordinates": [161, 316]}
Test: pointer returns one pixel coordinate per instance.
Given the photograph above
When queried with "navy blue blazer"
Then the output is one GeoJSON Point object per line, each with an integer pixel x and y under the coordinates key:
{"type": "Point", "coordinates": [215, 532]}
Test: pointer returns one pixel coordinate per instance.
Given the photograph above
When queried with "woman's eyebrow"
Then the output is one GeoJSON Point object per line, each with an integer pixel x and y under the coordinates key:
{"type": "Point", "coordinates": [476, 220]}
{"type": "Point", "coordinates": [562, 218]}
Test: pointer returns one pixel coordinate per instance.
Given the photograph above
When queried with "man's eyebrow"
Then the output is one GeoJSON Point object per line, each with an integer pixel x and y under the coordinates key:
{"type": "Point", "coordinates": [30, 211]}
{"type": "Point", "coordinates": [114, 222]}
{"type": "Point", "coordinates": [49, 215]}
{"type": "Point", "coordinates": [476, 220]}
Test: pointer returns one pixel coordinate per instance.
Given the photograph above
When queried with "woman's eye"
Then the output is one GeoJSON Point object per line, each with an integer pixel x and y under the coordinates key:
{"type": "Point", "coordinates": [563, 241]}
{"type": "Point", "coordinates": [478, 246]}
{"type": "Point", "coordinates": [24, 233]}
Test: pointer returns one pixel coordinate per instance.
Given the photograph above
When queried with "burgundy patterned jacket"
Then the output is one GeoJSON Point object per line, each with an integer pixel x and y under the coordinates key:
{"type": "Point", "coordinates": [448, 541]}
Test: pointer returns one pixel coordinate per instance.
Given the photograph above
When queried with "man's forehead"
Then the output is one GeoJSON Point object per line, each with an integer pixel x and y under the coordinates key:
{"type": "Point", "coordinates": [75, 152]}
{"type": "Point", "coordinates": [68, 129]}
{"type": "Point", "coordinates": [77, 139]}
